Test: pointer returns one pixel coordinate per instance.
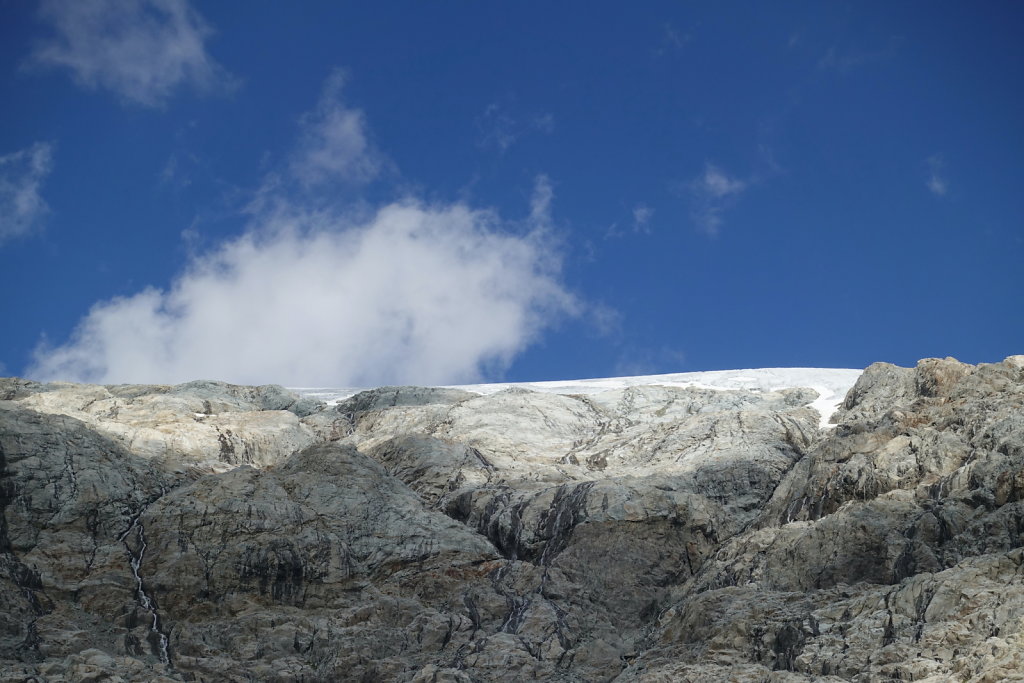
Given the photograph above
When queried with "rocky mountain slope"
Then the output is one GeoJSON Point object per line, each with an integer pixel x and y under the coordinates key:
{"type": "Point", "coordinates": [210, 532]}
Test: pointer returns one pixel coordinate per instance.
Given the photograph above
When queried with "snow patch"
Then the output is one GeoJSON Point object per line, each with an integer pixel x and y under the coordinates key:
{"type": "Point", "coordinates": [831, 385]}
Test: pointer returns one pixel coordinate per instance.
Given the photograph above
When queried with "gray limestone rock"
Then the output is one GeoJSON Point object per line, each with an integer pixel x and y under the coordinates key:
{"type": "Point", "coordinates": [390, 397]}
{"type": "Point", "coordinates": [208, 531]}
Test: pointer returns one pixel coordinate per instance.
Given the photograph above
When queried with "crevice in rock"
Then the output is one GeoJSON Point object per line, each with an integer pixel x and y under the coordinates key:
{"type": "Point", "coordinates": [788, 645]}
{"type": "Point", "coordinates": [920, 607]}
{"type": "Point", "coordinates": [280, 569]}
{"type": "Point", "coordinates": [517, 607]}
{"type": "Point", "coordinates": [569, 507]}
{"type": "Point", "coordinates": [159, 640]}
{"type": "Point", "coordinates": [24, 577]}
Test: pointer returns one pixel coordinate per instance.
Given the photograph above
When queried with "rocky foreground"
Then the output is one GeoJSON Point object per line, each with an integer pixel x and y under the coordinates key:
{"type": "Point", "coordinates": [211, 532]}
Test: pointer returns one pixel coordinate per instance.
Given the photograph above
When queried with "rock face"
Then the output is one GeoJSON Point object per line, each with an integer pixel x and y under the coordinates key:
{"type": "Point", "coordinates": [209, 532]}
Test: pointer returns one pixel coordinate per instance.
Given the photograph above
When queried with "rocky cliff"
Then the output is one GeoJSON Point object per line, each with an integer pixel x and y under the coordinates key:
{"type": "Point", "coordinates": [210, 532]}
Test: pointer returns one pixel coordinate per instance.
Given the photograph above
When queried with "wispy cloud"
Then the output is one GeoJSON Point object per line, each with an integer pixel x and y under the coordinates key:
{"type": "Point", "coordinates": [334, 143]}
{"type": "Point", "coordinates": [177, 172]}
{"type": "Point", "coordinates": [642, 218]}
{"type": "Point", "coordinates": [712, 192]}
{"type": "Point", "coordinates": [638, 223]}
{"type": "Point", "coordinates": [937, 182]}
{"type": "Point", "coordinates": [499, 129]}
{"type": "Point", "coordinates": [545, 123]}
{"type": "Point", "coordinates": [315, 294]}
{"type": "Point", "coordinates": [716, 184]}
{"type": "Point", "coordinates": [540, 202]}
{"type": "Point", "coordinates": [635, 361]}
{"type": "Point", "coordinates": [21, 176]}
{"type": "Point", "coordinates": [844, 60]}
{"type": "Point", "coordinates": [142, 50]}
{"type": "Point", "coordinates": [672, 39]}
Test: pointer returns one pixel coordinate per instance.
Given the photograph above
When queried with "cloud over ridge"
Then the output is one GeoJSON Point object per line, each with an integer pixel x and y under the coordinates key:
{"type": "Point", "coordinates": [326, 291]}
{"type": "Point", "coordinates": [417, 294]}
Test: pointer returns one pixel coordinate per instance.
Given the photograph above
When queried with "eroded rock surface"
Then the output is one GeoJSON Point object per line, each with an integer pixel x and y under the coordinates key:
{"type": "Point", "coordinates": [211, 532]}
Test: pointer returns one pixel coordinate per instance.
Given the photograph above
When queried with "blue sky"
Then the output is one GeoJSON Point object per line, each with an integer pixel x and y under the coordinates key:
{"type": "Point", "coordinates": [366, 193]}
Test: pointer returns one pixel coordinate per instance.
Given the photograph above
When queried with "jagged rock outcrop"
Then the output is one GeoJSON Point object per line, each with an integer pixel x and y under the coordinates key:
{"type": "Point", "coordinates": [211, 532]}
{"type": "Point", "coordinates": [892, 551]}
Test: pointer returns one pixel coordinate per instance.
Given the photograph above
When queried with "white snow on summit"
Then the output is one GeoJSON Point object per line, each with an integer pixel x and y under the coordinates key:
{"type": "Point", "coordinates": [831, 384]}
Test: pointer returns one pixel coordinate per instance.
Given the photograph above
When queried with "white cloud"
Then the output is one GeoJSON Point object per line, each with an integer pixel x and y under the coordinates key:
{"type": "Point", "coordinates": [937, 182]}
{"type": "Point", "coordinates": [417, 294]}
{"type": "Point", "coordinates": [21, 175]}
{"type": "Point", "coordinates": [140, 49]}
{"type": "Point", "coordinates": [334, 143]}
{"type": "Point", "coordinates": [314, 293]}
{"type": "Point", "coordinates": [712, 191]}
{"type": "Point", "coordinates": [715, 184]}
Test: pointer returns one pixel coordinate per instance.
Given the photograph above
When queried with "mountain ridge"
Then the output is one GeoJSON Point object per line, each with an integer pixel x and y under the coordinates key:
{"type": "Point", "coordinates": [638, 532]}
